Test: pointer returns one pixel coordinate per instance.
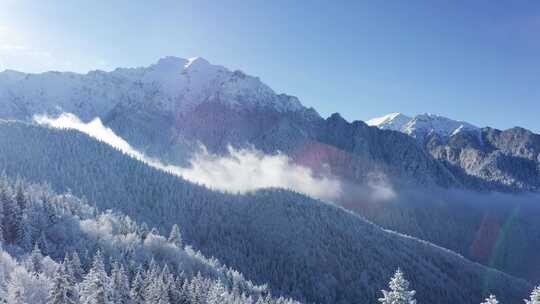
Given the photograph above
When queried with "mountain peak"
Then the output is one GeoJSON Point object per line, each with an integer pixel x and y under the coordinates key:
{"type": "Point", "coordinates": [171, 85]}
{"type": "Point", "coordinates": [196, 61]}
{"type": "Point", "coordinates": [421, 125]}
{"type": "Point", "coordinates": [392, 121]}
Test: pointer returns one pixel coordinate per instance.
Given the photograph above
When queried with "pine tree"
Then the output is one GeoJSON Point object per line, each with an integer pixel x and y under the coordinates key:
{"type": "Point", "coordinates": [68, 270]}
{"type": "Point", "coordinates": [217, 293]}
{"type": "Point", "coordinates": [175, 237]}
{"type": "Point", "coordinates": [157, 292]}
{"type": "Point", "coordinates": [24, 232]}
{"type": "Point", "coordinates": [11, 218]}
{"type": "Point", "coordinates": [137, 289]}
{"type": "Point", "coordinates": [95, 286]}
{"type": "Point", "coordinates": [20, 198]}
{"type": "Point", "coordinates": [491, 300]}
{"type": "Point", "coordinates": [535, 296]}
{"type": "Point", "coordinates": [3, 199]}
{"type": "Point", "coordinates": [176, 294]}
{"type": "Point", "coordinates": [63, 291]}
{"type": "Point", "coordinates": [399, 291]}
{"type": "Point", "coordinates": [36, 258]}
{"type": "Point", "coordinates": [119, 285]}
{"type": "Point", "coordinates": [74, 267]}
{"type": "Point", "coordinates": [43, 243]}
{"type": "Point", "coordinates": [196, 290]}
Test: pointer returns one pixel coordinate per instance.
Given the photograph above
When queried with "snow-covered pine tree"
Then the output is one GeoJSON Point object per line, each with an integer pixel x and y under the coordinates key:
{"type": "Point", "coordinates": [20, 198]}
{"type": "Point", "coordinates": [2, 239]}
{"type": "Point", "coordinates": [175, 237]}
{"type": "Point", "coordinates": [11, 219]}
{"type": "Point", "coordinates": [35, 259]}
{"type": "Point", "coordinates": [24, 233]}
{"type": "Point", "coordinates": [399, 291]}
{"type": "Point", "coordinates": [157, 292]}
{"type": "Point", "coordinates": [43, 243]}
{"type": "Point", "coordinates": [119, 285]}
{"type": "Point", "coordinates": [70, 276]}
{"type": "Point", "coordinates": [535, 296]}
{"type": "Point", "coordinates": [3, 199]}
{"type": "Point", "coordinates": [217, 294]}
{"type": "Point", "coordinates": [176, 294]}
{"type": "Point", "coordinates": [74, 267]}
{"type": "Point", "coordinates": [196, 290]}
{"type": "Point", "coordinates": [491, 300]}
{"type": "Point", "coordinates": [137, 289]}
{"type": "Point", "coordinates": [62, 291]}
{"type": "Point", "coordinates": [95, 287]}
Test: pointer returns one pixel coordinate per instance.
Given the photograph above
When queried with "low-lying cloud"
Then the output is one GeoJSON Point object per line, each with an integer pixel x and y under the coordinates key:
{"type": "Point", "coordinates": [243, 170]}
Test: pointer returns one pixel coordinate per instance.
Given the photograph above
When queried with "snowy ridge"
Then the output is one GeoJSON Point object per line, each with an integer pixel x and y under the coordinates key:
{"type": "Point", "coordinates": [171, 85]}
{"type": "Point", "coordinates": [422, 125]}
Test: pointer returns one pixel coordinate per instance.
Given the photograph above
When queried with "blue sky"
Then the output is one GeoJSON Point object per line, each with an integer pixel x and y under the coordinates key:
{"type": "Point", "coordinates": [477, 61]}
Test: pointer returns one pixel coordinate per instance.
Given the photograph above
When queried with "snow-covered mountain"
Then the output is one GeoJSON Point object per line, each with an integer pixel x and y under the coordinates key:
{"type": "Point", "coordinates": [422, 125]}
{"type": "Point", "coordinates": [172, 84]}
{"type": "Point", "coordinates": [170, 108]}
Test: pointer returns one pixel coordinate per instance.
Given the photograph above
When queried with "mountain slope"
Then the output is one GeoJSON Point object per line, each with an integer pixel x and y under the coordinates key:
{"type": "Point", "coordinates": [64, 226]}
{"type": "Point", "coordinates": [265, 235]}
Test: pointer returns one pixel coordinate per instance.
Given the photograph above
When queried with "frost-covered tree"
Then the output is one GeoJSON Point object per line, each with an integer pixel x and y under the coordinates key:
{"type": "Point", "coordinates": [74, 267]}
{"type": "Point", "coordinates": [95, 287]}
{"type": "Point", "coordinates": [137, 289]}
{"type": "Point", "coordinates": [62, 291]}
{"type": "Point", "coordinates": [35, 260]}
{"type": "Point", "coordinates": [491, 300]}
{"type": "Point", "coordinates": [25, 287]}
{"type": "Point", "coordinates": [119, 285]}
{"type": "Point", "coordinates": [157, 292]}
{"type": "Point", "coordinates": [535, 296]}
{"type": "Point", "coordinates": [11, 216]}
{"type": "Point", "coordinates": [399, 292]}
{"type": "Point", "coordinates": [24, 231]}
{"type": "Point", "coordinates": [217, 294]}
{"type": "Point", "coordinates": [175, 237]}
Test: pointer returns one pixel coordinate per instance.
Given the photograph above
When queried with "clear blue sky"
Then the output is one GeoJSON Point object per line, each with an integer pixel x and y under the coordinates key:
{"type": "Point", "coordinates": [477, 61]}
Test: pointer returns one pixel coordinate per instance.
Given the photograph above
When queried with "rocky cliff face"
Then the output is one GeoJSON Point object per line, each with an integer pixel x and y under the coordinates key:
{"type": "Point", "coordinates": [509, 159]}
{"type": "Point", "coordinates": [483, 158]}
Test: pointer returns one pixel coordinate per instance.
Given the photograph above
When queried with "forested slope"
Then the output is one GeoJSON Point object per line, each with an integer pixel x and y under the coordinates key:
{"type": "Point", "coordinates": [303, 248]}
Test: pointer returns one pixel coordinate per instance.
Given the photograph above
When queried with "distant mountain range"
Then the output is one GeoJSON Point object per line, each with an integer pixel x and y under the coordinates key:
{"type": "Point", "coordinates": [510, 158]}
{"type": "Point", "coordinates": [169, 108]}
